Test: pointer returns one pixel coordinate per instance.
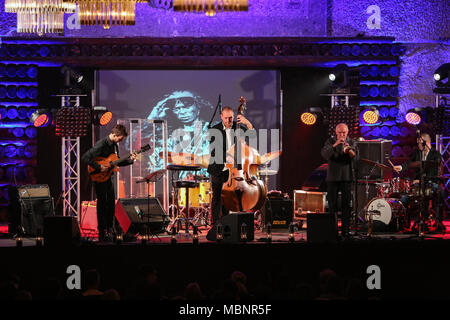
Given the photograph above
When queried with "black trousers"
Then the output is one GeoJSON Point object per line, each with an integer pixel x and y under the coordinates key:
{"type": "Point", "coordinates": [106, 204]}
{"type": "Point", "coordinates": [345, 188]}
{"type": "Point", "coordinates": [216, 202]}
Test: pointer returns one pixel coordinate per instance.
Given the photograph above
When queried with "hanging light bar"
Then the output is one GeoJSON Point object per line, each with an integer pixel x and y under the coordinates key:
{"type": "Point", "coordinates": [210, 7]}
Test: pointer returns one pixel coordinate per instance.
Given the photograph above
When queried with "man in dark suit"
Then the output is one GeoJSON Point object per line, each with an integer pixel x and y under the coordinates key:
{"type": "Point", "coordinates": [340, 151]}
{"type": "Point", "coordinates": [431, 169]}
{"type": "Point", "coordinates": [105, 190]}
{"type": "Point", "coordinates": [225, 133]}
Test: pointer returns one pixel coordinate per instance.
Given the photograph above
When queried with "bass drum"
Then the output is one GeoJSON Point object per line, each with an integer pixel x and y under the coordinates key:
{"type": "Point", "coordinates": [388, 214]}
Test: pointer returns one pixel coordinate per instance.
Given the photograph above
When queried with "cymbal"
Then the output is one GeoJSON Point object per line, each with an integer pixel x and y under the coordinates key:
{"type": "Point", "coordinates": [267, 172]}
{"type": "Point", "coordinates": [426, 164]}
{"type": "Point", "coordinates": [379, 165]}
{"type": "Point", "coordinates": [270, 156]}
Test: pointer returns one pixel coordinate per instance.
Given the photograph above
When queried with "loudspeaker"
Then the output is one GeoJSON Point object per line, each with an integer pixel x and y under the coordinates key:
{"type": "Point", "coordinates": [232, 224]}
{"type": "Point", "coordinates": [375, 150]}
{"type": "Point", "coordinates": [278, 212]}
{"type": "Point", "coordinates": [321, 227]}
{"type": "Point", "coordinates": [28, 205]}
{"type": "Point", "coordinates": [61, 231]}
{"type": "Point", "coordinates": [135, 213]}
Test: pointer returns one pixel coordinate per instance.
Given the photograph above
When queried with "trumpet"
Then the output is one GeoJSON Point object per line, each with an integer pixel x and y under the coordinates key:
{"type": "Point", "coordinates": [349, 150]}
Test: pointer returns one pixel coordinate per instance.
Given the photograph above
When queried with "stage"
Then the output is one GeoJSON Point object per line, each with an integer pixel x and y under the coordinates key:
{"type": "Point", "coordinates": [410, 266]}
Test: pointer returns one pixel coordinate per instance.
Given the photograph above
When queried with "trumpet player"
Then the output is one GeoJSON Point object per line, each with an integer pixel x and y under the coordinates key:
{"type": "Point", "coordinates": [340, 151]}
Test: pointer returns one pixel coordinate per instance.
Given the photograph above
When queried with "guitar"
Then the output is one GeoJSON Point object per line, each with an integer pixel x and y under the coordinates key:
{"type": "Point", "coordinates": [111, 162]}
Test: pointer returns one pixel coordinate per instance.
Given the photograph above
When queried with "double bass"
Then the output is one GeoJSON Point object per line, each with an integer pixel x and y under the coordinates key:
{"type": "Point", "coordinates": [243, 191]}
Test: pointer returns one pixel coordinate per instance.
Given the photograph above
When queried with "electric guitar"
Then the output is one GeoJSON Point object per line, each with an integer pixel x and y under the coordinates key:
{"type": "Point", "coordinates": [111, 162]}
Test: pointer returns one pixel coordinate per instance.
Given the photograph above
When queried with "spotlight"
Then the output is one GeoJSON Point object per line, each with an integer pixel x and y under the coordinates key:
{"type": "Point", "coordinates": [268, 233]}
{"type": "Point", "coordinates": [370, 116]}
{"type": "Point", "coordinates": [219, 235]}
{"type": "Point", "coordinates": [195, 235]}
{"type": "Point", "coordinates": [41, 118]}
{"type": "Point", "coordinates": [71, 74]}
{"type": "Point", "coordinates": [101, 116]}
{"type": "Point", "coordinates": [441, 75]}
{"type": "Point", "coordinates": [339, 75]}
{"type": "Point", "coordinates": [309, 117]}
{"type": "Point", "coordinates": [416, 116]}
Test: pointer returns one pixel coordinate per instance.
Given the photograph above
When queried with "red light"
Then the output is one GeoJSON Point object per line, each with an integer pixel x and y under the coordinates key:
{"type": "Point", "coordinates": [41, 120]}
{"type": "Point", "coordinates": [370, 116]}
{"type": "Point", "coordinates": [308, 118]}
{"type": "Point", "coordinates": [106, 118]}
{"type": "Point", "coordinates": [413, 118]}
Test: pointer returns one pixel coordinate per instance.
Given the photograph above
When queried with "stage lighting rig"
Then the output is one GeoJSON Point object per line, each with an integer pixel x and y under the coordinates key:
{"type": "Point", "coordinates": [72, 78]}
{"type": "Point", "coordinates": [41, 118]}
{"type": "Point", "coordinates": [415, 116]}
{"type": "Point", "coordinates": [101, 116]}
{"type": "Point", "coordinates": [370, 115]}
{"type": "Point", "coordinates": [441, 75]}
{"type": "Point", "coordinates": [73, 121]}
{"type": "Point", "coordinates": [311, 115]}
{"type": "Point", "coordinates": [339, 76]}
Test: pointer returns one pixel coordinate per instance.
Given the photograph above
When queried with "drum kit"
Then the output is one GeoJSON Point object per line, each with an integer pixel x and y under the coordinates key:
{"type": "Point", "coordinates": [388, 210]}
{"type": "Point", "coordinates": [191, 197]}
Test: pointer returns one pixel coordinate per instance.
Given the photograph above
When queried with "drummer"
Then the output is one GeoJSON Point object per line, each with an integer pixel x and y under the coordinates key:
{"type": "Point", "coordinates": [426, 152]}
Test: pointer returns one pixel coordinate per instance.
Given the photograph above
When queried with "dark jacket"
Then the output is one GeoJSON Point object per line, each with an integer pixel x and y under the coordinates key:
{"type": "Point", "coordinates": [103, 148]}
{"type": "Point", "coordinates": [339, 163]}
{"type": "Point", "coordinates": [430, 171]}
{"type": "Point", "coordinates": [216, 167]}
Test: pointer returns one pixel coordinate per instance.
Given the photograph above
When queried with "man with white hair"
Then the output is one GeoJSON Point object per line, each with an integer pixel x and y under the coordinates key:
{"type": "Point", "coordinates": [340, 151]}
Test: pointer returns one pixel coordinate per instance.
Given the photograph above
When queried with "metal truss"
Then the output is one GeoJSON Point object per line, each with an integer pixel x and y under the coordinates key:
{"type": "Point", "coordinates": [443, 146]}
{"type": "Point", "coordinates": [70, 156]}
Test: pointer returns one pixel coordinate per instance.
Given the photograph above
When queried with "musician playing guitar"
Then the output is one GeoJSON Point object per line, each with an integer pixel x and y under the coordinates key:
{"type": "Point", "coordinates": [105, 190]}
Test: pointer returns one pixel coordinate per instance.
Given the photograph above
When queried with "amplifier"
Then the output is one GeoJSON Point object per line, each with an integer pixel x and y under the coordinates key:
{"type": "Point", "coordinates": [375, 150]}
{"type": "Point", "coordinates": [278, 212]}
{"type": "Point", "coordinates": [308, 202]}
{"type": "Point", "coordinates": [30, 191]}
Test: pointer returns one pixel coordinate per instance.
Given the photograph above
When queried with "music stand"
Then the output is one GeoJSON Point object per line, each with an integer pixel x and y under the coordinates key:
{"type": "Point", "coordinates": [152, 177]}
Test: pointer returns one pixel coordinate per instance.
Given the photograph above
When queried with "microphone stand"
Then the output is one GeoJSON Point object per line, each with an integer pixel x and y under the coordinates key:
{"type": "Point", "coordinates": [219, 104]}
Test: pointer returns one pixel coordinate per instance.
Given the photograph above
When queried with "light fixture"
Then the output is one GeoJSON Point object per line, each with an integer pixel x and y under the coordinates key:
{"type": "Point", "coordinates": [210, 7]}
{"type": "Point", "coordinates": [173, 236]}
{"type": "Point", "coordinates": [144, 239]}
{"type": "Point", "coordinates": [268, 233]}
{"type": "Point", "coordinates": [40, 16]}
{"type": "Point", "coordinates": [219, 234]}
{"type": "Point", "coordinates": [195, 235]}
{"type": "Point", "coordinates": [101, 116]}
{"type": "Point", "coordinates": [370, 115]}
{"type": "Point", "coordinates": [338, 76]}
{"type": "Point", "coordinates": [310, 116]}
{"type": "Point", "coordinates": [119, 239]}
{"type": "Point", "coordinates": [73, 121]}
{"type": "Point", "coordinates": [107, 13]}
{"type": "Point", "coordinates": [244, 232]}
{"type": "Point", "coordinates": [416, 116]}
{"type": "Point", "coordinates": [71, 74]}
{"type": "Point", "coordinates": [19, 241]}
{"type": "Point", "coordinates": [41, 118]}
{"type": "Point", "coordinates": [292, 232]}
{"type": "Point", "coordinates": [441, 75]}
{"type": "Point", "coordinates": [39, 241]}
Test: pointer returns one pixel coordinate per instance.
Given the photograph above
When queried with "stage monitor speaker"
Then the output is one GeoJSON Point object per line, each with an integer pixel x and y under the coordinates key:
{"type": "Point", "coordinates": [134, 214]}
{"type": "Point", "coordinates": [61, 231]}
{"type": "Point", "coordinates": [321, 227]}
{"type": "Point", "coordinates": [375, 150]}
{"type": "Point", "coordinates": [278, 212]}
{"type": "Point", "coordinates": [232, 224]}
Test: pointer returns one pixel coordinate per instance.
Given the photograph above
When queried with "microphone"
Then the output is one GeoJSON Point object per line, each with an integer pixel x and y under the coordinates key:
{"type": "Point", "coordinates": [220, 102]}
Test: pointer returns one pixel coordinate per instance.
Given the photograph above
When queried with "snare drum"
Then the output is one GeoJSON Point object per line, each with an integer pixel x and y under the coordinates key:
{"type": "Point", "coordinates": [387, 213]}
